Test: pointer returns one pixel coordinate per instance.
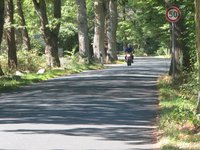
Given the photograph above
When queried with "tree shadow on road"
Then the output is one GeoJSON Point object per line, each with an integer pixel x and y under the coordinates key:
{"type": "Point", "coordinates": [114, 104]}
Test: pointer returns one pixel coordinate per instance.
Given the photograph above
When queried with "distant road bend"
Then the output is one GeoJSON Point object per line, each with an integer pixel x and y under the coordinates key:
{"type": "Point", "coordinates": [110, 109]}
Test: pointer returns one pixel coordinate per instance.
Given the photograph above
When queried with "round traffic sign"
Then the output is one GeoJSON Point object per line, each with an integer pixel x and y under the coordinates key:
{"type": "Point", "coordinates": [173, 14]}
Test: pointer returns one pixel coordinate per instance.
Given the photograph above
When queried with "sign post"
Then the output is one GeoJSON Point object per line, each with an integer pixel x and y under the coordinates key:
{"type": "Point", "coordinates": [173, 50]}
{"type": "Point", "coordinates": [173, 15]}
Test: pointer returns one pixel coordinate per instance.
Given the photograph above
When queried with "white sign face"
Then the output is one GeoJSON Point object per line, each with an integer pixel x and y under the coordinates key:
{"type": "Point", "coordinates": [173, 14]}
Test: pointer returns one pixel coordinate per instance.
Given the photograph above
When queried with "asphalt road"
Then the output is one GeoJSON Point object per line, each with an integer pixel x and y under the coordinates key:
{"type": "Point", "coordinates": [111, 109]}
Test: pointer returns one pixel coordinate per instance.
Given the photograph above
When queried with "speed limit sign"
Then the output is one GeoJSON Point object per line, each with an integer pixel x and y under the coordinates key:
{"type": "Point", "coordinates": [173, 14]}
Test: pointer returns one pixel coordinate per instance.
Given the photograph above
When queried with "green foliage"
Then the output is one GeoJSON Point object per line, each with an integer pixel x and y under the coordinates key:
{"type": "Point", "coordinates": [188, 84]}
{"type": "Point", "coordinates": [32, 20]}
{"type": "Point", "coordinates": [68, 36]}
{"type": "Point", "coordinates": [187, 27]}
{"type": "Point", "coordinates": [162, 51]}
{"type": "Point", "coordinates": [30, 60]}
{"type": "Point", "coordinates": [72, 58]}
{"type": "Point", "coordinates": [178, 121]}
{"type": "Point", "coordinates": [8, 83]}
{"type": "Point", "coordinates": [183, 115]}
{"type": "Point", "coordinates": [140, 52]}
{"type": "Point", "coordinates": [141, 23]}
{"type": "Point", "coordinates": [3, 60]}
{"type": "Point", "coordinates": [74, 62]}
{"type": "Point", "coordinates": [143, 26]}
{"type": "Point", "coordinates": [38, 43]}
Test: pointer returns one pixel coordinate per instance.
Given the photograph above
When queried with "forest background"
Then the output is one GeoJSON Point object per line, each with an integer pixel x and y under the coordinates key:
{"type": "Point", "coordinates": [32, 21]}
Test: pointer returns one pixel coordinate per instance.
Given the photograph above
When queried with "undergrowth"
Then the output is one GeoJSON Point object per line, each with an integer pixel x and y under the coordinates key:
{"type": "Point", "coordinates": [30, 62]}
{"type": "Point", "coordinates": [178, 122]}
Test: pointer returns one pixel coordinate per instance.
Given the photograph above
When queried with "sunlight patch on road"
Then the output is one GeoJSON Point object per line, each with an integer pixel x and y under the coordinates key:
{"type": "Point", "coordinates": [52, 136]}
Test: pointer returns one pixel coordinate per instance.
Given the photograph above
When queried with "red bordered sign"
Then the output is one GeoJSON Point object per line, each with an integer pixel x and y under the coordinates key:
{"type": "Point", "coordinates": [173, 14]}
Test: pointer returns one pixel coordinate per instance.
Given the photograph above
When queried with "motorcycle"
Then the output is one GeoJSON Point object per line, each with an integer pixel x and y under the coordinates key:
{"type": "Point", "coordinates": [129, 58]}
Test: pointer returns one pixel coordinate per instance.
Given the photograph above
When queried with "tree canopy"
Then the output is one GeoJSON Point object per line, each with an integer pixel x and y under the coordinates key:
{"type": "Point", "coordinates": [50, 26]}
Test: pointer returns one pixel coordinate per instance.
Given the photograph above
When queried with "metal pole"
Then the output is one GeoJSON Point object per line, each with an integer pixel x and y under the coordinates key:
{"type": "Point", "coordinates": [173, 49]}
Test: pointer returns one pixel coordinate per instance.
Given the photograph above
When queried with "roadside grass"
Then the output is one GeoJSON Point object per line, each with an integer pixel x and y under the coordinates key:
{"type": "Point", "coordinates": [11, 82]}
{"type": "Point", "coordinates": [178, 123]}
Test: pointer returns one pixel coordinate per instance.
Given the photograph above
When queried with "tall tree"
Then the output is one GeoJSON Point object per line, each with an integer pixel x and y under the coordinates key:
{"type": "Point", "coordinates": [50, 34]}
{"type": "Point", "coordinates": [83, 30]}
{"type": "Point", "coordinates": [25, 36]}
{"type": "Point", "coordinates": [185, 32]}
{"type": "Point", "coordinates": [1, 19]}
{"type": "Point", "coordinates": [197, 21]}
{"type": "Point", "coordinates": [1, 27]}
{"type": "Point", "coordinates": [10, 35]}
{"type": "Point", "coordinates": [99, 33]}
{"type": "Point", "coordinates": [111, 31]}
{"type": "Point", "coordinates": [176, 55]}
{"type": "Point", "coordinates": [175, 67]}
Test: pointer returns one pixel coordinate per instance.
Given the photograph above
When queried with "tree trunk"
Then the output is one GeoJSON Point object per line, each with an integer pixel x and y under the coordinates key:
{"type": "Point", "coordinates": [178, 50]}
{"type": "Point", "coordinates": [83, 30]}
{"type": "Point", "coordinates": [1, 71]}
{"type": "Point", "coordinates": [111, 32]}
{"type": "Point", "coordinates": [167, 4]}
{"type": "Point", "coordinates": [1, 19]}
{"type": "Point", "coordinates": [176, 61]}
{"type": "Point", "coordinates": [175, 67]}
{"type": "Point", "coordinates": [50, 35]}
{"type": "Point", "coordinates": [1, 28]}
{"type": "Point", "coordinates": [10, 35]}
{"type": "Point", "coordinates": [123, 4]}
{"type": "Point", "coordinates": [197, 21]}
{"type": "Point", "coordinates": [99, 35]}
{"type": "Point", "coordinates": [187, 61]}
{"type": "Point", "coordinates": [25, 36]}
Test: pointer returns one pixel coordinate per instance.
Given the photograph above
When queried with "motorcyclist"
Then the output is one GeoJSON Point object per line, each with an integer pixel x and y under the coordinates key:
{"type": "Point", "coordinates": [129, 50]}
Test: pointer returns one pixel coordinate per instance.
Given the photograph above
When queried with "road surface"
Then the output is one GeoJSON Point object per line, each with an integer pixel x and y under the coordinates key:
{"type": "Point", "coordinates": [111, 109]}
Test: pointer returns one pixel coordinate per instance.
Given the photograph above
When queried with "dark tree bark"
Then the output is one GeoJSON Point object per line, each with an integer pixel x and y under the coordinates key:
{"type": "Point", "coordinates": [25, 36]}
{"type": "Point", "coordinates": [178, 50]}
{"type": "Point", "coordinates": [10, 35]}
{"type": "Point", "coordinates": [176, 55]}
{"type": "Point", "coordinates": [123, 4]}
{"type": "Point", "coordinates": [50, 35]}
{"type": "Point", "coordinates": [83, 30]}
{"type": "Point", "coordinates": [1, 19]}
{"type": "Point", "coordinates": [1, 71]}
{"type": "Point", "coordinates": [1, 28]}
{"type": "Point", "coordinates": [197, 21]}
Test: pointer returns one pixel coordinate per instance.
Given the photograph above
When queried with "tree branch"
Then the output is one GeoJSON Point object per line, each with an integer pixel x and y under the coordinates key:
{"type": "Point", "coordinates": [57, 15]}
{"type": "Point", "coordinates": [57, 8]}
{"type": "Point", "coordinates": [36, 4]}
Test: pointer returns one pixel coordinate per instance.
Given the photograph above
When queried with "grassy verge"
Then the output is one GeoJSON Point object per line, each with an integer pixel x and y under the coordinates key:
{"type": "Point", "coordinates": [178, 124]}
{"type": "Point", "coordinates": [8, 83]}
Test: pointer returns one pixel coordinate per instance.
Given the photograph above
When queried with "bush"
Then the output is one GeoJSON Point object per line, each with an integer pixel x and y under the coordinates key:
{"type": "Point", "coordinates": [162, 51]}
{"type": "Point", "coordinates": [183, 115]}
{"type": "Point", "coordinates": [140, 52]}
{"type": "Point", "coordinates": [178, 120]}
{"type": "Point", "coordinates": [29, 61]}
{"type": "Point", "coordinates": [4, 63]}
